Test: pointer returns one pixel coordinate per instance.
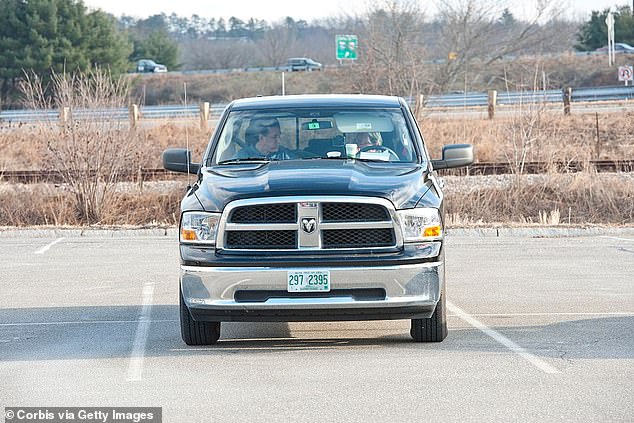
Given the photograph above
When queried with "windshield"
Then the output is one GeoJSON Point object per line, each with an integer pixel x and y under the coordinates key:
{"type": "Point", "coordinates": [380, 135]}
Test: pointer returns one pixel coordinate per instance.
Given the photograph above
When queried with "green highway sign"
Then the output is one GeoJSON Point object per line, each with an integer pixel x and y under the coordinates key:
{"type": "Point", "coordinates": [347, 47]}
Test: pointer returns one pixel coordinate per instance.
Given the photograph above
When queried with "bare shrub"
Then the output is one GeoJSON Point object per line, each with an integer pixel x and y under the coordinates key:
{"type": "Point", "coordinates": [523, 132]}
{"type": "Point", "coordinates": [526, 128]}
{"type": "Point", "coordinates": [90, 153]}
{"type": "Point", "coordinates": [148, 208]}
{"type": "Point", "coordinates": [55, 207]}
{"type": "Point", "coordinates": [579, 198]}
{"type": "Point", "coordinates": [22, 148]}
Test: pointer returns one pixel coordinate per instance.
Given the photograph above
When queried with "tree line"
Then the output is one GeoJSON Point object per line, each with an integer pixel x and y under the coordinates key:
{"type": "Point", "coordinates": [396, 37]}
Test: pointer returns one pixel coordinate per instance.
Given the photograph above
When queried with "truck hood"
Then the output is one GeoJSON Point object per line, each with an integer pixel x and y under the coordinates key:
{"type": "Point", "coordinates": [402, 184]}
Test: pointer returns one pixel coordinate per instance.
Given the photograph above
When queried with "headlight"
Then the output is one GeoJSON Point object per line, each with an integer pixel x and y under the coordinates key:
{"type": "Point", "coordinates": [420, 224]}
{"type": "Point", "coordinates": [199, 227]}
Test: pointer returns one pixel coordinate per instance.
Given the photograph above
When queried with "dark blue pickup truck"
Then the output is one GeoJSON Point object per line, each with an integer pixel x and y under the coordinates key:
{"type": "Point", "coordinates": [313, 208]}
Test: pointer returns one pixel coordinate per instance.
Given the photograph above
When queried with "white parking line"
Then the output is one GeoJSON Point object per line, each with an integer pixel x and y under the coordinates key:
{"type": "Point", "coordinates": [135, 369]}
{"type": "Point", "coordinates": [47, 247]}
{"type": "Point", "coordinates": [617, 238]}
{"type": "Point", "coordinates": [534, 360]}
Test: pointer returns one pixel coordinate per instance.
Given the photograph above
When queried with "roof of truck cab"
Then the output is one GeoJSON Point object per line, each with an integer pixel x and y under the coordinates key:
{"type": "Point", "coordinates": [316, 100]}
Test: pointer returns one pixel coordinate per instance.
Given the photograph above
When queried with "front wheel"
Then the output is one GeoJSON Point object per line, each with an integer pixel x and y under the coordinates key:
{"type": "Point", "coordinates": [197, 333]}
{"type": "Point", "coordinates": [433, 329]}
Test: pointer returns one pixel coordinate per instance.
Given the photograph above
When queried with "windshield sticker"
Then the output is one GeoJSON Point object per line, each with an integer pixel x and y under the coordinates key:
{"type": "Point", "coordinates": [364, 126]}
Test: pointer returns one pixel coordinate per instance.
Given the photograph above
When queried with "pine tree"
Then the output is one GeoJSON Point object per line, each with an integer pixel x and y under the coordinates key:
{"type": "Point", "coordinates": [45, 36]}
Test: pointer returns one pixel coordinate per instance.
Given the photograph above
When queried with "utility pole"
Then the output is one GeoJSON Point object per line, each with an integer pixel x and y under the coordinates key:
{"type": "Point", "coordinates": [609, 21]}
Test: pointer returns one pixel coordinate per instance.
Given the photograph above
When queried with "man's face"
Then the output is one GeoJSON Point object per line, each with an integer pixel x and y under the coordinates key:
{"type": "Point", "coordinates": [270, 142]}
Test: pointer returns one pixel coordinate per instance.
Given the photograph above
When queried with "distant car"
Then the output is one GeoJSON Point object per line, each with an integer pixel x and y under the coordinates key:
{"type": "Point", "coordinates": [147, 65]}
{"type": "Point", "coordinates": [303, 64]}
{"type": "Point", "coordinates": [619, 48]}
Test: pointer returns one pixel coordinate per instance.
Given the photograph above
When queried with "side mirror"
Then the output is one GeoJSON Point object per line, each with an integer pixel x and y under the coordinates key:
{"type": "Point", "coordinates": [454, 155]}
{"type": "Point", "coordinates": [179, 160]}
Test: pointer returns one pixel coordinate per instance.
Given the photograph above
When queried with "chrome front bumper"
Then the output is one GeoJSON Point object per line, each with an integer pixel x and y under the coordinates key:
{"type": "Point", "coordinates": [411, 291]}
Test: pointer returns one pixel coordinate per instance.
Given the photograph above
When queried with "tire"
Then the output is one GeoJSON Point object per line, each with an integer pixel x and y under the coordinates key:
{"type": "Point", "coordinates": [433, 329]}
{"type": "Point", "coordinates": [197, 333]}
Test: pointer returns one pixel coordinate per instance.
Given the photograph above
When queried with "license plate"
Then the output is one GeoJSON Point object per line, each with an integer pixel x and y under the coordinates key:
{"type": "Point", "coordinates": [308, 281]}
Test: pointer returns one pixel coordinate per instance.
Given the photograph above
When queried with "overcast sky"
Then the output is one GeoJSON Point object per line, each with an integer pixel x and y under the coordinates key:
{"type": "Point", "coordinates": [274, 10]}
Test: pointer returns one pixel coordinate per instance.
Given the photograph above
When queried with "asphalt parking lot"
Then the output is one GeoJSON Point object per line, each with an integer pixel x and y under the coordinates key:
{"type": "Point", "coordinates": [541, 329]}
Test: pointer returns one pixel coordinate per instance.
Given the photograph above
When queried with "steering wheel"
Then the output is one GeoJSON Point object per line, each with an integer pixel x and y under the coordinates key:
{"type": "Point", "coordinates": [379, 148]}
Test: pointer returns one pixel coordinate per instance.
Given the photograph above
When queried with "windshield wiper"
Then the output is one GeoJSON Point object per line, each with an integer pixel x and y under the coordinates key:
{"type": "Point", "coordinates": [325, 158]}
{"type": "Point", "coordinates": [246, 160]}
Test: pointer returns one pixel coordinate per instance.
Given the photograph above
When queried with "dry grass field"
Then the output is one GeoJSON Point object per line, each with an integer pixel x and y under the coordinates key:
{"type": "Point", "coordinates": [540, 135]}
{"type": "Point", "coordinates": [25, 148]}
{"type": "Point", "coordinates": [533, 135]}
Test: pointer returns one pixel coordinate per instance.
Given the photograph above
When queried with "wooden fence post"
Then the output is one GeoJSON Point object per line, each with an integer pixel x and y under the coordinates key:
{"type": "Point", "coordinates": [134, 115]}
{"type": "Point", "coordinates": [493, 99]}
{"type": "Point", "coordinates": [204, 116]}
{"type": "Point", "coordinates": [64, 116]}
{"type": "Point", "coordinates": [567, 97]}
{"type": "Point", "coordinates": [420, 103]}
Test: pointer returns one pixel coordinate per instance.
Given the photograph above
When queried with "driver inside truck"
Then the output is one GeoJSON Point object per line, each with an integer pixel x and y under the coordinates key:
{"type": "Point", "coordinates": [263, 141]}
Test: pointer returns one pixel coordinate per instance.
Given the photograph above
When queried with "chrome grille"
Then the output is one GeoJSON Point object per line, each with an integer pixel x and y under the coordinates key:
{"type": "Point", "coordinates": [312, 223]}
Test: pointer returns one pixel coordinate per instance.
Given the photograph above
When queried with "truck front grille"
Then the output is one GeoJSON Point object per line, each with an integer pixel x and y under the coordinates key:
{"type": "Point", "coordinates": [265, 213]}
{"type": "Point", "coordinates": [258, 240]}
{"type": "Point", "coordinates": [353, 212]}
{"type": "Point", "coordinates": [308, 224]}
{"type": "Point", "coordinates": [358, 238]}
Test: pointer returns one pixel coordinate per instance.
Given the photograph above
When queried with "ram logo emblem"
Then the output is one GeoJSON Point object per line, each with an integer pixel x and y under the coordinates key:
{"type": "Point", "coordinates": [308, 225]}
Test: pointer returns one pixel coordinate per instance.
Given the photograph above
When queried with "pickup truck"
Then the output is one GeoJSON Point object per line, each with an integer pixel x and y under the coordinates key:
{"type": "Point", "coordinates": [291, 218]}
